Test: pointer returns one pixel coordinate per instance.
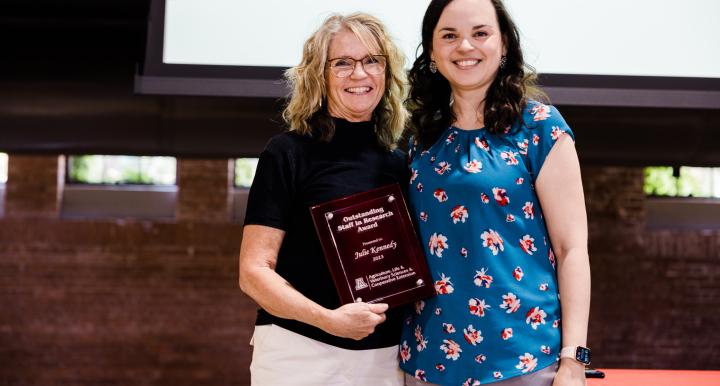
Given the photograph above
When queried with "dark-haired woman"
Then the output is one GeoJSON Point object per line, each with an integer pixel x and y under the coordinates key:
{"type": "Point", "coordinates": [497, 194]}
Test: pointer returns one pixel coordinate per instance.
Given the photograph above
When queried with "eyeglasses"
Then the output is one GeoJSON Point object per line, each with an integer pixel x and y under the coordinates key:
{"type": "Point", "coordinates": [372, 64]}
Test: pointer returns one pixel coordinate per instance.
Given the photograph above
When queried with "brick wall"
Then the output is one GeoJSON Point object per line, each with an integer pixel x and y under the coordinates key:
{"type": "Point", "coordinates": [89, 303]}
{"type": "Point", "coordinates": [121, 302]}
{"type": "Point", "coordinates": [34, 187]}
{"type": "Point", "coordinates": [118, 302]}
{"type": "Point", "coordinates": [655, 294]}
{"type": "Point", "coordinates": [204, 189]}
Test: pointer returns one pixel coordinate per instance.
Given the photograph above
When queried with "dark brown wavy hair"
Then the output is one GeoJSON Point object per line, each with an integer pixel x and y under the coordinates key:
{"type": "Point", "coordinates": [430, 93]}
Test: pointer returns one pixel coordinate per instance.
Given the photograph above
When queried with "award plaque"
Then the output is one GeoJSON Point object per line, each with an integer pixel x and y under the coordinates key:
{"type": "Point", "coordinates": [372, 249]}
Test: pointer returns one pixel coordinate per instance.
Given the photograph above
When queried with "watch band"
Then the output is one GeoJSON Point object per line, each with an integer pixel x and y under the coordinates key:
{"type": "Point", "coordinates": [568, 352]}
{"type": "Point", "coordinates": [577, 353]}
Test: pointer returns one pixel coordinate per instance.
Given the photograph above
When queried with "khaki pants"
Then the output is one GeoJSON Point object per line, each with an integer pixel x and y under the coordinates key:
{"type": "Point", "coordinates": [284, 358]}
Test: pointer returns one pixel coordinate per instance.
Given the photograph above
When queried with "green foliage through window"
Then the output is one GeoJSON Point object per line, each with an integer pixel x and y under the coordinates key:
{"type": "Point", "coordinates": [3, 167]}
{"type": "Point", "coordinates": [692, 182]}
{"type": "Point", "coordinates": [245, 171]}
{"type": "Point", "coordinates": [135, 170]}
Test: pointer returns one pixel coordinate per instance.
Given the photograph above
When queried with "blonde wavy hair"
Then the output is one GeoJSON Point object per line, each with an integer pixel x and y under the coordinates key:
{"type": "Point", "coordinates": [306, 110]}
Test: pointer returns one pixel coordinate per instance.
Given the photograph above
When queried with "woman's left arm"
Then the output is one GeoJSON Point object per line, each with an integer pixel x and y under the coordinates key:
{"type": "Point", "coordinates": [559, 188]}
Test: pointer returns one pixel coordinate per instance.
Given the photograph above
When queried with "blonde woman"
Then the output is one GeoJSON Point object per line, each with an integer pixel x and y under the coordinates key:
{"type": "Point", "coordinates": [345, 115]}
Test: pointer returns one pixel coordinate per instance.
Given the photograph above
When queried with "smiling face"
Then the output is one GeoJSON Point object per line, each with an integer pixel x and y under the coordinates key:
{"type": "Point", "coordinates": [467, 44]}
{"type": "Point", "coordinates": [355, 96]}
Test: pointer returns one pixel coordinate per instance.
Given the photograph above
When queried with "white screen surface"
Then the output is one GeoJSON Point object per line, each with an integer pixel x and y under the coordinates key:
{"type": "Point", "coordinates": [610, 37]}
{"type": "Point", "coordinates": [621, 37]}
{"type": "Point", "coordinates": [271, 32]}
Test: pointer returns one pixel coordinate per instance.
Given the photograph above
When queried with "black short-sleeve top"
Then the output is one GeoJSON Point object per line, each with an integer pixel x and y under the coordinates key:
{"type": "Point", "coordinates": [296, 172]}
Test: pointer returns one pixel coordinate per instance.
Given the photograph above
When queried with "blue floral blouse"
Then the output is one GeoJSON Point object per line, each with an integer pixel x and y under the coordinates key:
{"type": "Point", "coordinates": [496, 314]}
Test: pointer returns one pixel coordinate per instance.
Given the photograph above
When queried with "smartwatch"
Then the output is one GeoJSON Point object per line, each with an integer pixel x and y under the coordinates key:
{"type": "Point", "coordinates": [578, 353]}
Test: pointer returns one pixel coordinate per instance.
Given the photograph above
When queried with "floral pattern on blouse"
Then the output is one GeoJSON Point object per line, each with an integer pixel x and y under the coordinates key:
{"type": "Point", "coordinates": [496, 314]}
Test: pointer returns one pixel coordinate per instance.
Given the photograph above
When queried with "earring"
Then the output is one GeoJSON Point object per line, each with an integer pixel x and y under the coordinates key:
{"type": "Point", "coordinates": [433, 66]}
{"type": "Point", "coordinates": [503, 60]}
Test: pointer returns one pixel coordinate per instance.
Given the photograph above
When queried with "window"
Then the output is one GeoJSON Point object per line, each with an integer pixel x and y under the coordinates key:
{"type": "Point", "coordinates": [244, 174]}
{"type": "Point", "coordinates": [682, 198]}
{"type": "Point", "coordinates": [121, 170]}
{"type": "Point", "coordinates": [245, 171]}
{"type": "Point", "coordinates": [666, 181]}
{"type": "Point", "coordinates": [3, 167]}
{"type": "Point", "coordinates": [104, 186]}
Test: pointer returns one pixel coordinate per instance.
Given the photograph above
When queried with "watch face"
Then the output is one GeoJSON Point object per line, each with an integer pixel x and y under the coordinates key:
{"type": "Point", "coordinates": [582, 354]}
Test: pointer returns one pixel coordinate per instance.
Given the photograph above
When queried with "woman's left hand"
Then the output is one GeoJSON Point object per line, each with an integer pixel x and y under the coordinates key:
{"type": "Point", "coordinates": [570, 373]}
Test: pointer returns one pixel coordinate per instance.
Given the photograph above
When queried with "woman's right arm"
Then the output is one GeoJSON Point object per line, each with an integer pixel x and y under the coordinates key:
{"type": "Point", "coordinates": [258, 279]}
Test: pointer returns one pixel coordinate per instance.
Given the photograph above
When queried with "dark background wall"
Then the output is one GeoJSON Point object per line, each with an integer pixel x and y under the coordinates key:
{"type": "Point", "coordinates": [128, 301]}
{"type": "Point", "coordinates": [122, 301]}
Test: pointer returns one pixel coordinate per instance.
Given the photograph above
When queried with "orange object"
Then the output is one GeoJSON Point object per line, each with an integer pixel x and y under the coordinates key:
{"type": "Point", "coordinates": [628, 377]}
